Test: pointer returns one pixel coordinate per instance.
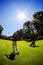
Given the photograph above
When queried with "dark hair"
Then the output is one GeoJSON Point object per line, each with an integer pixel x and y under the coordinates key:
{"type": "Point", "coordinates": [14, 35]}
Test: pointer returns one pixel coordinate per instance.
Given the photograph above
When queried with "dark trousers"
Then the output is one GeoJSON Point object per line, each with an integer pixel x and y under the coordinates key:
{"type": "Point", "coordinates": [33, 43]}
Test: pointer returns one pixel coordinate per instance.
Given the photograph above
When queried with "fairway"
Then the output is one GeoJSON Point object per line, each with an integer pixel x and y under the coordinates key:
{"type": "Point", "coordinates": [28, 55]}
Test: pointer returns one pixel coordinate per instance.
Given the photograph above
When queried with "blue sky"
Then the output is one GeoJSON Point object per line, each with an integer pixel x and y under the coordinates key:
{"type": "Point", "coordinates": [9, 12]}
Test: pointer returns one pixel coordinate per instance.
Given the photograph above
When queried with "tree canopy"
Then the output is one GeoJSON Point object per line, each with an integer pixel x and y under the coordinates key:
{"type": "Point", "coordinates": [38, 16]}
{"type": "Point", "coordinates": [1, 29]}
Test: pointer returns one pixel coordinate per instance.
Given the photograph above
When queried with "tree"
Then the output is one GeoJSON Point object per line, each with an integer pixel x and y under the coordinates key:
{"type": "Point", "coordinates": [26, 27]}
{"type": "Point", "coordinates": [38, 16]}
{"type": "Point", "coordinates": [38, 21]}
{"type": "Point", "coordinates": [1, 29]}
{"type": "Point", "coordinates": [37, 25]}
{"type": "Point", "coordinates": [29, 30]}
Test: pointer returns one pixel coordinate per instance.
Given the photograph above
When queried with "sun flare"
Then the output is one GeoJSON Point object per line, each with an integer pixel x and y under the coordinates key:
{"type": "Point", "coordinates": [21, 16]}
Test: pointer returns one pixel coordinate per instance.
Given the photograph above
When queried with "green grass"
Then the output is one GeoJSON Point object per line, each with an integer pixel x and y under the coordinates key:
{"type": "Point", "coordinates": [28, 55]}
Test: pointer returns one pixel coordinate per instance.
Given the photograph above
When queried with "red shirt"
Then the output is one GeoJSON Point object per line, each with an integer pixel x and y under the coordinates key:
{"type": "Point", "coordinates": [15, 38]}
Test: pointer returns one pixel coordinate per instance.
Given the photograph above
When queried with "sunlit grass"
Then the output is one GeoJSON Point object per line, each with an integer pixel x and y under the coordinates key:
{"type": "Point", "coordinates": [28, 55]}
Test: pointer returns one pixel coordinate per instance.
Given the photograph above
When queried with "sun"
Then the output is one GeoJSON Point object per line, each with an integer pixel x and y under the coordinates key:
{"type": "Point", "coordinates": [21, 16]}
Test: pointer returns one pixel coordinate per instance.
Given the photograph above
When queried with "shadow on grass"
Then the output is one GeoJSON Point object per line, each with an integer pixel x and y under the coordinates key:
{"type": "Point", "coordinates": [12, 56]}
{"type": "Point", "coordinates": [34, 46]}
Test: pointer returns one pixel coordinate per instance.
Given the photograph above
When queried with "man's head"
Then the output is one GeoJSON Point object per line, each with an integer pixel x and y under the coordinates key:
{"type": "Point", "coordinates": [14, 35]}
